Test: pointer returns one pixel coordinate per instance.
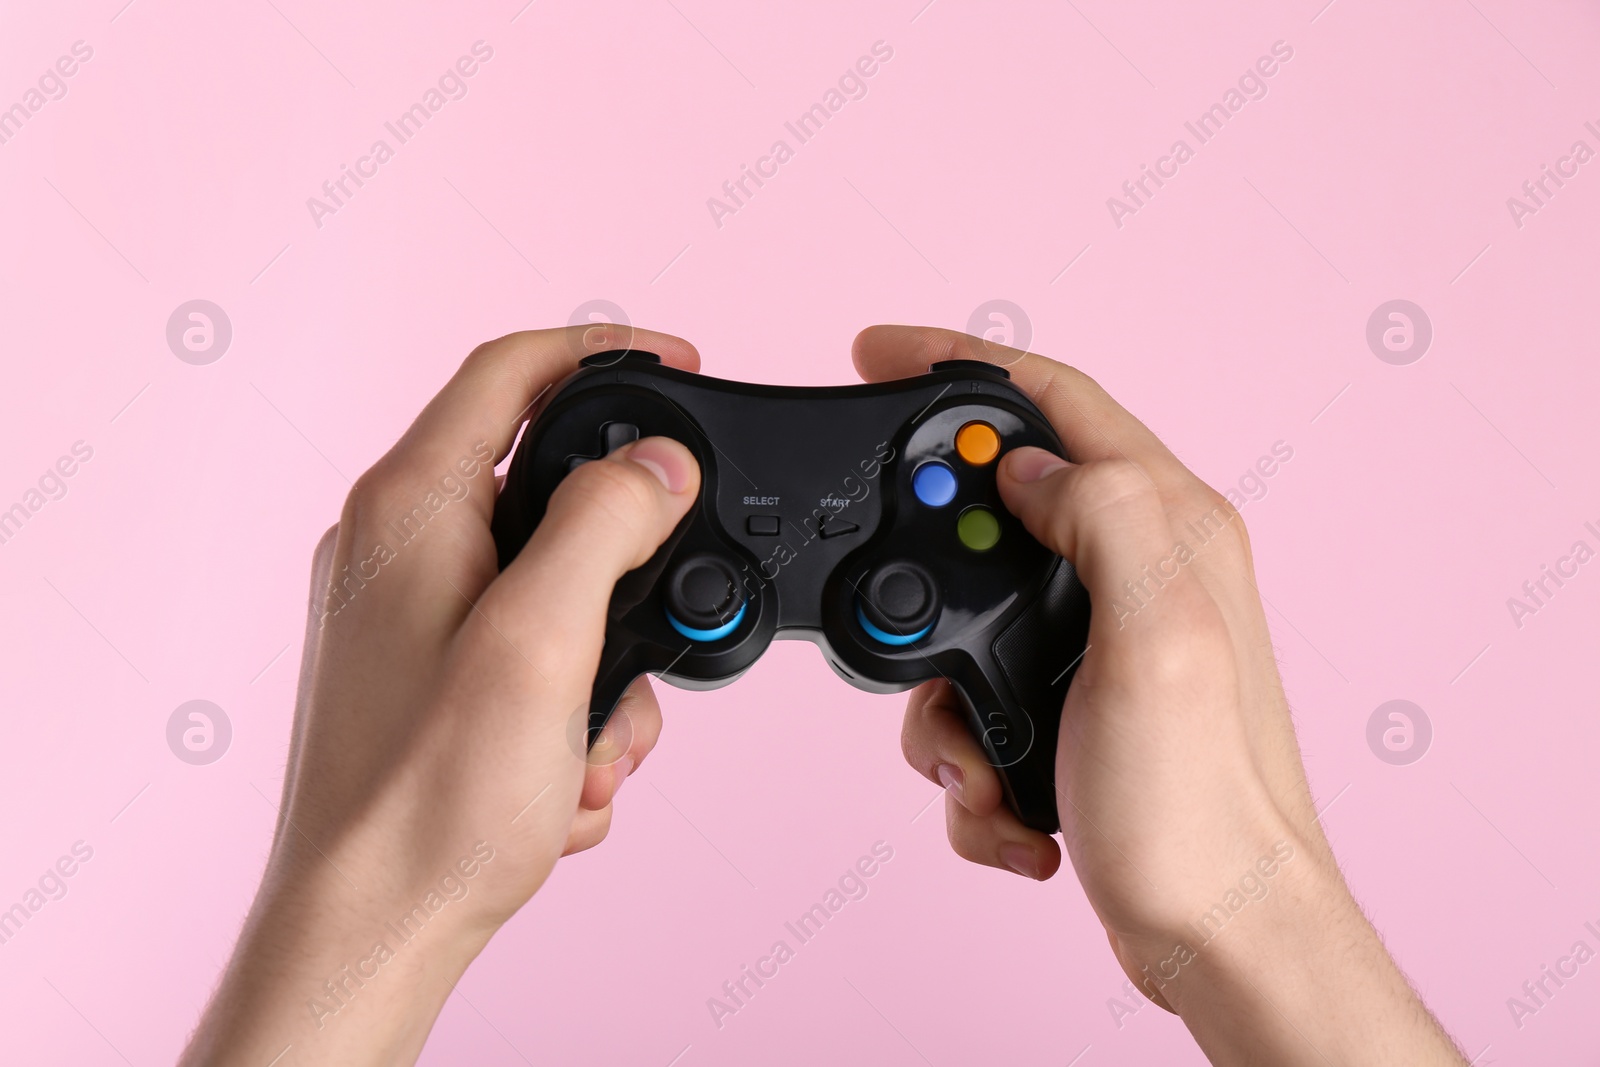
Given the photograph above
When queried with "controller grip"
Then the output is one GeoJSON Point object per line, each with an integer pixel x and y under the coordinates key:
{"type": "Point", "coordinates": [622, 661]}
{"type": "Point", "coordinates": [611, 681]}
{"type": "Point", "coordinates": [1014, 701]}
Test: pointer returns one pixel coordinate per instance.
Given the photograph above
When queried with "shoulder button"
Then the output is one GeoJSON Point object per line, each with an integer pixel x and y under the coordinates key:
{"type": "Point", "coordinates": [967, 365]}
{"type": "Point", "coordinates": [612, 358]}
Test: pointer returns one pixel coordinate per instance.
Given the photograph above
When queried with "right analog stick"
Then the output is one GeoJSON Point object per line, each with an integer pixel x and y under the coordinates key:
{"type": "Point", "coordinates": [703, 597]}
{"type": "Point", "coordinates": [898, 602]}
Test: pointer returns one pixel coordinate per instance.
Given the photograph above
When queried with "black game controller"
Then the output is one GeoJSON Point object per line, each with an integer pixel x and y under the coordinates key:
{"type": "Point", "coordinates": [864, 518]}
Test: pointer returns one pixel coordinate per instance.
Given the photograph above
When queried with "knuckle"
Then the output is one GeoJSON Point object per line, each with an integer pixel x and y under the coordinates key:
{"type": "Point", "coordinates": [910, 745]}
{"type": "Point", "coordinates": [483, 356]}
{"type": "Point", "coordinates": [479, 354]}
{"type": "Point", "coordinates": [1188, 657]}
{"type": "Point", "coordinates": [590, 830]}
{"type": "Point", "coordinates": [926, 734]}
{"type": "Point", "coordinates": [1112, 482]}
{"type": "Point", "coordinates": [914, 739]}
{"type": "Point", "coordinates": [326, 544]}
{"type": "Point", "coordinates": [1170, 663]}
{"type": "Point", "coordinates": [494, 351]}
{"type": "Point", "coordinates": [1078, 378]}
{"type": "Point", "coordinates": [1056, 384]}
{"type": "Point", "coordinates": [1117, 488]}
{"type": "Point", "coordinates": [363, 501]}
{"type": "Point", "coordinates": [326, 553]}
{"type": "Point", "coordinates": [966, 833]}
{"type": "Point", "coordinates": [1217, 520]}
{"type": "Point", "coordinates": [504, 362]}
{"type": "Point", "coordinates": [375, 483]}
{"type": "Point", "coordinates": [377, 496]}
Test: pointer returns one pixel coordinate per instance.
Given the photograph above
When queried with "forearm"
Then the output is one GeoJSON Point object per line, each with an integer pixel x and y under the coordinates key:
{"type": "Point", "coordinates": [1297, 976]}
{"type": "Point", "coordinates": [331, 983]}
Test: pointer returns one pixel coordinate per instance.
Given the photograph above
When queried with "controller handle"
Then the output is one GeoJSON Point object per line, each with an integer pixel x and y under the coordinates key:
{"type": "Point", "coordinates": [1014, 692]}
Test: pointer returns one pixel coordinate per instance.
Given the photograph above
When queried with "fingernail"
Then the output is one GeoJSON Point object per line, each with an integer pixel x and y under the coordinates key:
{"type": "Point", "coordinates": [623, 767]}
{"type": "Point", "coordinates": [669, 461]}
{"type": "Point", "coordinates": [1020, 859]}
{"type": "Point", "coordinates": [951, 778]}
{"type": "Point", "coordinates": [1031, 464]}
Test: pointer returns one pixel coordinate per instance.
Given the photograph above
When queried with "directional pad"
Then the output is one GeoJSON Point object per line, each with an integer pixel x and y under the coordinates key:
{"type": "Point", "coordinates": [613, 435]}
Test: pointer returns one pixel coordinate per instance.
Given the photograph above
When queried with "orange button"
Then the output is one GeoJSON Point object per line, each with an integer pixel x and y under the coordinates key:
{"type": "Point", "coordinates": [978, 443]}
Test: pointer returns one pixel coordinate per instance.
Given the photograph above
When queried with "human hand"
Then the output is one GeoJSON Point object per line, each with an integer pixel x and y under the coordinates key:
{"type": "Point", "coordinates": [1179, 780]}
{"type": "Point", "coordinates": [437, 768]}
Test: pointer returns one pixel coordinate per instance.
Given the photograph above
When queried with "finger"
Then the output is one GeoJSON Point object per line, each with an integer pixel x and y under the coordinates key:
{"type": "Point", "coordinates": [938, 745]}
{"type": "Point", "coordinates": [1091, 424]}
{"type": "Point", "coordinates": [1000, 840]}
{"type": "Point", "coordinates": [1105, 516]}
{"type": "Point", "coordinates": [629, 736]}
{"type": "Point", "coordinates": [470, 424]}
{"type": "Point", "coordinates": [1154, 623]}
{"type": "Point", "coordinates": [589, 828]}
{"type": "Point", "coordinates": [604, 519]}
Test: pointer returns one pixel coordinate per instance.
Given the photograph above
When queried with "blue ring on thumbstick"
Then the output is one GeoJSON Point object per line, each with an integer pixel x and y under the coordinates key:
{"type": "Point", "coordinates": [709, 635]}
{"type": "Point", "coordinates": [888, 638]}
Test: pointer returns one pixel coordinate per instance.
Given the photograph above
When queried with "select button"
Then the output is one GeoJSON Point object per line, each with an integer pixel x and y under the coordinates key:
{"type": "Point", "coordinates": [762, 525]}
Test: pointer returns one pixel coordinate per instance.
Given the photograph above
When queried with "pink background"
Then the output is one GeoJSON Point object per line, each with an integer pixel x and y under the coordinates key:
{"type": "Point", "coordinates": [1228, 313]}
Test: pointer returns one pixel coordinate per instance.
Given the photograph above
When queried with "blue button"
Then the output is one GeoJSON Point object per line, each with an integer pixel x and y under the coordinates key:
{"type": "Point", "coordinates": [934, 484]}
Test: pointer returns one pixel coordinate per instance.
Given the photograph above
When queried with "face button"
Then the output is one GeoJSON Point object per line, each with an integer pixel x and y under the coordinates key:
{"type": "Point", "coordinates": [978, 529]}
{"type": "Point", "coordinates": [934, 484]}
{"type": "Point", "coordinates": [977, 443]}
{"type": "Point", "coordinates": [762, 525]}
{"type": "Point", "coordinates": [703, 597]}
{"type": "Point", "coordinates": [898, 603]}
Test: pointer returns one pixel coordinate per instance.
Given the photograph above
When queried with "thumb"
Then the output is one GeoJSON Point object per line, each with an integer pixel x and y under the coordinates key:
{"type": "Point", "coordinates": [1105, 516]}
{"type": "Point", "coordinates": [605, 518]}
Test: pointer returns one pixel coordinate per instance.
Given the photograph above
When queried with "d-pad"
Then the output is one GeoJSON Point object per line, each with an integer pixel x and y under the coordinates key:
{"type": "Point", "coordinates": [613, 435]}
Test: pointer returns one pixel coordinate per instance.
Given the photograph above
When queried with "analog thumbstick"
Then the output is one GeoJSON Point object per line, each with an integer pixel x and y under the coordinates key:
{"type": "Point", "coordinates": [703, 597]}
{"type": "Point", "coordinates": [898, 602]}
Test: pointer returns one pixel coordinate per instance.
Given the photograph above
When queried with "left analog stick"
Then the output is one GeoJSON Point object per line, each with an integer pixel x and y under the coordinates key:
{"type": "Point", "coordinates": [703, 598]}
{"type": "Point", "coordinates": [898, 603]}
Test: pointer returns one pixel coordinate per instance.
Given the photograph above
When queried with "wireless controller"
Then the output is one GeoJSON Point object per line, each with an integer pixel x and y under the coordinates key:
{"type": "Point", "coordinates": [863, 518]}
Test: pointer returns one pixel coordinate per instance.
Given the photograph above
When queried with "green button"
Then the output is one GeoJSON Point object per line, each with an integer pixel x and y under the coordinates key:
{"type": "Point", "coordinates": [978, 529]}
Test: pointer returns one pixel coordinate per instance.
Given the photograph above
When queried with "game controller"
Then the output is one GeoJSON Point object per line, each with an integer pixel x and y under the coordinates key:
{"type": "Point", "coordinates": [863, 518]}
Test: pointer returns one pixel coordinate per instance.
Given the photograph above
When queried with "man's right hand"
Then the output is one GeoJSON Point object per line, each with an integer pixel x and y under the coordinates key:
{"type": "Point", "coordinates": [1179, 780]}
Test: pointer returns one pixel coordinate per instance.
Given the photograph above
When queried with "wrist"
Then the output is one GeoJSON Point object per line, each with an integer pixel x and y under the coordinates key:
{"type": "Point", "coordinates": [337, 950]}
{"type": "Point", "coordinates": [1286, 969]}
{"type": "Point", "coordinates": [1219, 910]}
{"type": "Point", "coordinates": [343, 971]}
{"type": "Point", "coordinates": [1242, 929]}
